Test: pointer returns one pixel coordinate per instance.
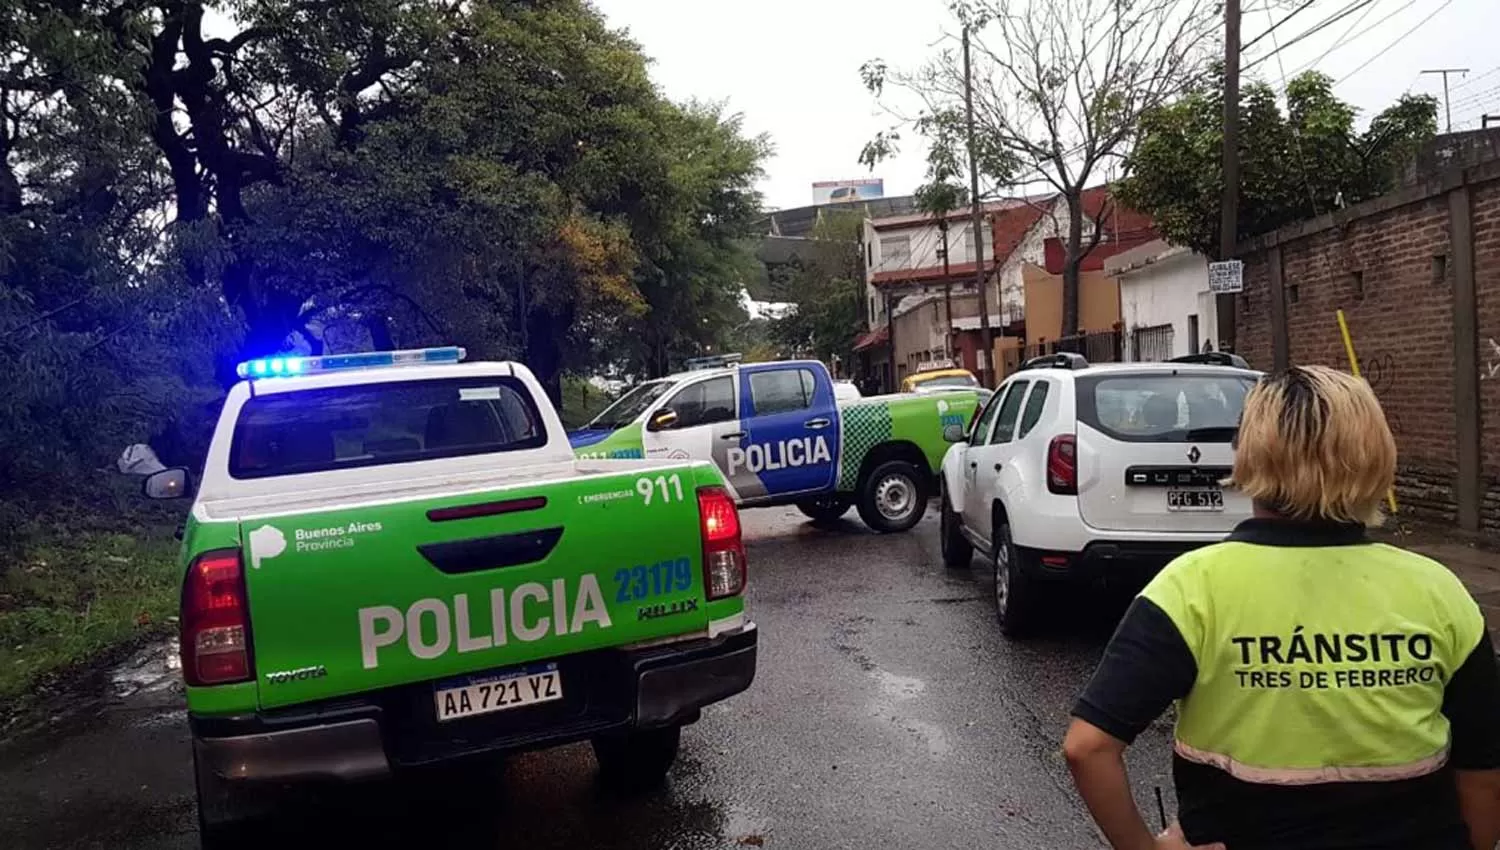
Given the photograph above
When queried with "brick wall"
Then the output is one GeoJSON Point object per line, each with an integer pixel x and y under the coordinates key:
{"type": "Point", "coordinates": [1487, 286]}
{"type": "Point", "coordinates": [1390, 266]}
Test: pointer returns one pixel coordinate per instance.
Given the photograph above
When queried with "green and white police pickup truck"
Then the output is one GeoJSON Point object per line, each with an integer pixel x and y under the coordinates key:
{"type": "Point", "coordinates": [395, 559]}
{"type": "Point", "coordinates": [780, 437]}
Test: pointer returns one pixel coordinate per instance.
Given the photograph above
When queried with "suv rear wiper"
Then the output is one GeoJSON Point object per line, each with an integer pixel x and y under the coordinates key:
{"type": "Point", "coordinates": [1215, 432]}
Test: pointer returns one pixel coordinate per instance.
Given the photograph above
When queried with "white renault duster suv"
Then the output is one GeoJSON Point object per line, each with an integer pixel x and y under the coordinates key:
{"type": "Point", "coordinates": [1089, 474]}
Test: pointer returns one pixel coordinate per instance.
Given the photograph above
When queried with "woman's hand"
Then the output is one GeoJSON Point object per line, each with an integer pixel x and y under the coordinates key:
{"type": "Point", "coordinates": [1173, 839]}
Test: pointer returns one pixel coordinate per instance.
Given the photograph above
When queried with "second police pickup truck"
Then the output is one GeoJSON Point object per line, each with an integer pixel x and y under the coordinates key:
{"type": "Point", "coordinates": [395, 559]}
{"type": "Point", "coordinates": [779, 437]}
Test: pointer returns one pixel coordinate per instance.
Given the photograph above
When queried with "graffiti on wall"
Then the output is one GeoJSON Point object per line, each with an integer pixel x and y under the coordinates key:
{"type": "Point", "coordinates": [1380, 371]}
{"type": "Point", "coordinates": [1491, 360]}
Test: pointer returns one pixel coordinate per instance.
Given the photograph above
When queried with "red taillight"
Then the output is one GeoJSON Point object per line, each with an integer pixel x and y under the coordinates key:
{"type": "Point", "coordinates": [216, 621]}
{"type": "Point", "coordinates": [1062, 465]}
{"type": "Point", "coordinates": [723, 550]}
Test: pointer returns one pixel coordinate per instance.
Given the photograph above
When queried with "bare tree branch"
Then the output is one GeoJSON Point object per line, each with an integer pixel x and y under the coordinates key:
{"type": "Point", "coordinates": [1060, 86]}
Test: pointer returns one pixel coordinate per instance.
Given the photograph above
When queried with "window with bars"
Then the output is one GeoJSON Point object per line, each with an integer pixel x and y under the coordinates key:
{"type": "Point", "coordinates": [1151, 344]}
{"type": "Point", "coordinates": [895, 252]}
{"type": "Point", "coordinates": [965, 252]}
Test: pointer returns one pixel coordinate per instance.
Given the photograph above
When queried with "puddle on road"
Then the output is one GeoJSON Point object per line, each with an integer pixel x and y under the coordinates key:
{"type": "Point", "coordinates": [899, 690]}
{"type": "Point", "coordinates": [144, 690]}
{"type": "Point", "coordinates": [153, 670]}
{"type": "Point", "coordinates": [744, 826]}
{"type": "Point", "coordinates": [899, 687]}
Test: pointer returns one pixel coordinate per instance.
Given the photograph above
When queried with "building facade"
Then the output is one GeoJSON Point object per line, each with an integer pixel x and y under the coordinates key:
{"type": "Point", "coordinates": [905, 277]}
{"type": "Point", "coordinates": [1166, 308]}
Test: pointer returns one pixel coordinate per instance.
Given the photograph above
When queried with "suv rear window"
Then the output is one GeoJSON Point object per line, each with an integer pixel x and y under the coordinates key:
{"type": "Point", "coordinates": [1164, 408]}
{"type": "Point", "coordinates": [375, 424]}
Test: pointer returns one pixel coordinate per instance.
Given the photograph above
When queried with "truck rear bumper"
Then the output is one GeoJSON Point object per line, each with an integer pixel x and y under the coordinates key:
{"type": "Point", "coordinates": [373, 736]}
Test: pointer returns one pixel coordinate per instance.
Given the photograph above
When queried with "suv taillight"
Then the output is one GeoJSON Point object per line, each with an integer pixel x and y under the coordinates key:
{"type": "Point", "coordinates": [216, 621]}
{"type": "Point", "coordinates": [723, 550]}
{"type": "Point", "coordinates": [1062, 465]}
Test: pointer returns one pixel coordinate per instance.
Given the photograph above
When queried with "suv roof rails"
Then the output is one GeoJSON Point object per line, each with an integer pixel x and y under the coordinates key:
{"type": "Point", "coordinates": [1060, 360]}
{"type": "Point", "coordinates": [1213, 358]}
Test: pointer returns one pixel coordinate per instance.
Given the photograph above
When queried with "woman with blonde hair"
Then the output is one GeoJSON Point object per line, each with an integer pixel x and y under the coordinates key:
{"type": "Point", "coordinates": [1331, 691]}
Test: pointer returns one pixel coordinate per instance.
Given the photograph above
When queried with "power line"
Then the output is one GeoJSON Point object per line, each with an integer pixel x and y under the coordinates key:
{"type": "Point", "coordinates": [1469, 82]}
{"type": "Point", "coordinates": [1399, 39]}
{"type": "Point", "coordinates": [1296, 137]}
{"type": "Point", "coordinates": [1292, 14]}
{"type": "Point", "coordinates": [1345, 39]}
{"type": "Point", "coordinates": [1475, 97]}
{"type": "Point", "coordinates": [1447, 104]}
{"type": "Point", "coordinates": [1477, 110]}
{"type": "Point", "coordinates": [1353, 7]}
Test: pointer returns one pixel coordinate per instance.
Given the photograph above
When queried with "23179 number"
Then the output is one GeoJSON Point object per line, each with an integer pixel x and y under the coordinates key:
{"type": "Point", "coordinates": [648, 580]}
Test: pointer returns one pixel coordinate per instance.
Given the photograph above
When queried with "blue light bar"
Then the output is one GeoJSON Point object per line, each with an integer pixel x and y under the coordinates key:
{"type": "Point", "coordinates": [276, 367]}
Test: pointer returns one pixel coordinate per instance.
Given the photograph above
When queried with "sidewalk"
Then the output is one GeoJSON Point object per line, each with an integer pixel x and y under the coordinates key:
{"type": "Point", "coordinates": [1477, 568]}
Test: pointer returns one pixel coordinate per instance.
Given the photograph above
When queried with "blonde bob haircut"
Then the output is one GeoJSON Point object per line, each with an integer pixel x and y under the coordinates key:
{"type": "Point", "coordinates": [1314, 445]}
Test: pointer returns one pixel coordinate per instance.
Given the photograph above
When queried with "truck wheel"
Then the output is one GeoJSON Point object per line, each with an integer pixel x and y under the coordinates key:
{"type": "Point", "coordinates": [226, 819]}
{"type": "Point", "coordinates": [637, 761]}
{"type": "Point", "coordinates": [958, 553]}
{"type": "Point", "coordinates": [825, 510]}
{"type": "Point", "coordinates": [1015, 591]}
{"type": "Point", "coordinates": [893, 497]}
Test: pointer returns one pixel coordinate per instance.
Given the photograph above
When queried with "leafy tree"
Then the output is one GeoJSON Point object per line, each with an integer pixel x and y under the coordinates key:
{"type": "Point", "coordinates": [557, 191]}
{"type": "Point", "coordinates": [693, 206]}
{"type": "Point", "coordinates": [498, 174]}
{"type": "Point", "coordinates": [1294, 165]}
{"type": "Point", "coordinates": [1058, 91]}
{"type": "Point", "coordinates": [96, 351]}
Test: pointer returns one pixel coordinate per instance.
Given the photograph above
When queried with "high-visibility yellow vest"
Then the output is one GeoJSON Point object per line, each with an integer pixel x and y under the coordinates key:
{"type": "Point", "coordinates": [1317, 664]}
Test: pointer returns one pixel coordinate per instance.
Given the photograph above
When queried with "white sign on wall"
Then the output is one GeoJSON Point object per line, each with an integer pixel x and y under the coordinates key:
{"type": "Point", "coordinates": [1227, 276]}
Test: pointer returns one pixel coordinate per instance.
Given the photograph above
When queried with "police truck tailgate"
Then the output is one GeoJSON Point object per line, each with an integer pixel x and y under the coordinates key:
{"type": "Point", "coordinates": [468, 589]}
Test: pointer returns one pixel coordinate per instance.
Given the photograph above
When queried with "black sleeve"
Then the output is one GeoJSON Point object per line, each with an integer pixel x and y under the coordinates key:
{"type": "Point", "coordinates": [1472, 704]}
{"type": "Point", "coordinates": [1145, 667]}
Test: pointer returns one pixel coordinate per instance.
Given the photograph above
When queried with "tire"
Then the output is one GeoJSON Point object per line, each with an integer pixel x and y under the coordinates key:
{"type": "Point", "coordinates": [637, 761]}
{"type": "Point", "coordinates": [829, 509]}
{"type": "Point", "coordinates": [958, 552]}
{"type": "Point", "coordinates": [226, 819]}
{"type": "Point", "coordinates": [893, 497]}
{"type": "Point", "coordinates": [1016, 593]}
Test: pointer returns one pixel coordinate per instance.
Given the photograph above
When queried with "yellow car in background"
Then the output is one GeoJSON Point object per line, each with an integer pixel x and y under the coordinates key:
{"type": "Point", "coordinates": [939, 379]}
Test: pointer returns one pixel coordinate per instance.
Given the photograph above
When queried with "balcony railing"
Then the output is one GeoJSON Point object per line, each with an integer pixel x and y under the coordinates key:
{"type": "Point", "coordinates": [1099, 347]}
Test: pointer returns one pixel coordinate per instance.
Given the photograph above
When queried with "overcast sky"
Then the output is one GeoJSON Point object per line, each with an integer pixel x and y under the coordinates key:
{"type": "Point", "coordinates": [792, 66]}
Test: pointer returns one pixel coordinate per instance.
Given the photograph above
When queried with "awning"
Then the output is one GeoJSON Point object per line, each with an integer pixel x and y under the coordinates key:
{"type": "Point", "coordinates": [879, 336]}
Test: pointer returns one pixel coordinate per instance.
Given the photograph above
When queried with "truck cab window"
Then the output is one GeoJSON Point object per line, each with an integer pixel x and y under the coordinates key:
{"type": "Point", "coordinates": [373, 424]}
{"type": "Point", "coordinates": [704, 403]}
{"type": "Point", "coordinates": [781, 391]}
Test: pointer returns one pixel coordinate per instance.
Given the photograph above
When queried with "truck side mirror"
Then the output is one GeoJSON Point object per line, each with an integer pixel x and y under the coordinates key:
{"type": "Point", "coordinates": [953, 433]}
{"type": "Point", "coordinates": [166, 484]}
{"type": "Point", "coordinates": [662, 419]}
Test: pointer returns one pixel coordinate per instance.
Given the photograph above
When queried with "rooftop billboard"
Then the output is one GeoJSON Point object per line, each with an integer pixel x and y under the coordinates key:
{"type": "Point", "coordinates": [844, 191]}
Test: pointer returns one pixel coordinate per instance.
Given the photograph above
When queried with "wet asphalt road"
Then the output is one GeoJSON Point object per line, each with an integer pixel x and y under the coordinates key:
{"type": "Point", "coordinates": [887, 712]}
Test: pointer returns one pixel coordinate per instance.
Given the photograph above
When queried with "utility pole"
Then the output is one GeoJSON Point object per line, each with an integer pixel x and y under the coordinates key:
{"type": "Point", "coordinates": [1447, 107]}
{"type": "Point", "coordinates": [889, 305]}
{"type": "Point", "coordinates": [947, 290]}
{"type": "Point", "coordinates": [1230, 224]}
{"type": "Point", "coordinates": [986, 373]}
